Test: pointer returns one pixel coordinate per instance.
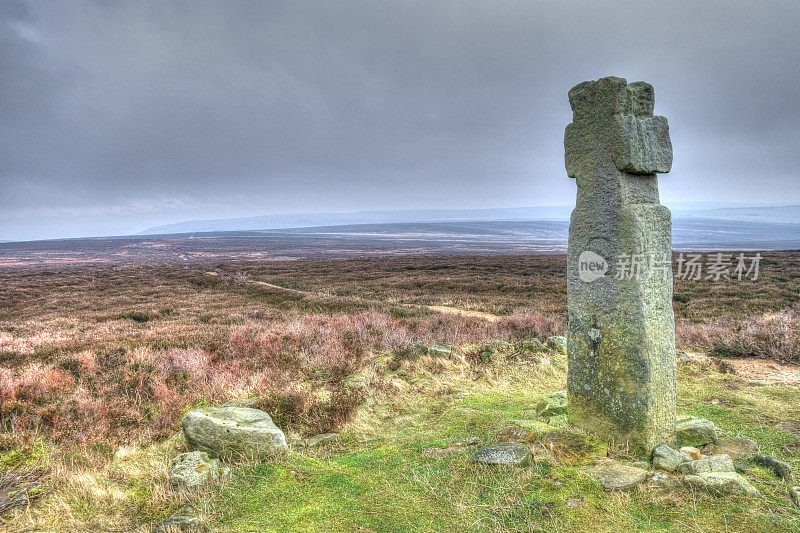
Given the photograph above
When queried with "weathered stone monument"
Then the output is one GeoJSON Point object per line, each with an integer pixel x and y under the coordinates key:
{"type": "Point", "coordinates": [621, 335]}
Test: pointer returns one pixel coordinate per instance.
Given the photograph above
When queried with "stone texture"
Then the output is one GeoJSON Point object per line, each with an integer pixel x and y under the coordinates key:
{"type": "Point", "coordinates": [710, 463]}
{"type": "Point", "coordinates": [557, 343]}
{"type": "Point", "coordinates": [666, 458]}
{"type": "Point", "coordinates": [615, 476]}
{"type": "Point", "coordinates": [722, 483]}
{"type": "Point", "coordinates": [621, 334]}
{"type": "Point", "coordinates": [553, 404]}
{"type": "Point", "coordinates": [696, 432]}
{"type": "Point", "coordinates": [779, 468]}
{"type": "Point", "coordinates": [736, 447]}
{"type": "Point", "coordinates": [192, 470]}
{"type": "Point", "coordinates": [234, 432]}
{"type": "Point", "coordinates": [504, 453]}
{"type": "Point", "coordinates": [693, 453]}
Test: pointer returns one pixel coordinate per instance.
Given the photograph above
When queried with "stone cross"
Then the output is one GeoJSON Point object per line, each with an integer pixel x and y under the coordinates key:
{"type": "Point", "coordinates": [621, 334]}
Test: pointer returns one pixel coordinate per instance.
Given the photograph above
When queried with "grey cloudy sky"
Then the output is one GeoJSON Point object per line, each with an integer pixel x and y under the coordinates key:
{"type": "Point", "coordinates": [116, 116]}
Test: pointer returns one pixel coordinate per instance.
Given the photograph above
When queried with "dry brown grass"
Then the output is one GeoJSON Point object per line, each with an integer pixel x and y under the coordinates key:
{"type": "Point", "coordinates": [115, 354]}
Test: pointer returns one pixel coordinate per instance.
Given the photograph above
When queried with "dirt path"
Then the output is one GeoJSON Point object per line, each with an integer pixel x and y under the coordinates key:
{"type": "Point", "coordinates": [446, 309]}
{"type": "Point", "coordinates": [463, 312]}
{"type": "Point", "coordinates": [764, 371]}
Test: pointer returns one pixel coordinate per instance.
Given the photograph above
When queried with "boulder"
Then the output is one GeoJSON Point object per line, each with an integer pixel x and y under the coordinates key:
{"type": "Point", "coordinates": [666, 458]}
{"type": "Point", "coordinates": [722, 483]}
{"type": "Point", "coordinates": [234, 432]}
{"type": "Point", "coordinates": [615, 476]}
{"type": "Point", "coordinates": [779, 468]}
{"type": "Point", "coordinates": [736, 447]}
{"type": "Point", "coordinates": [192, 470]}
{"type": "Point", "coordinates": [503, 453]}
{"type": "Point", "coordinates": [696, 432]}
{"type": "Point", "coordinates": [557, 343]}
{"type": "Point", "coordinates": [711, 463]}
{"type": "Point", "coordinates": [553, 404]}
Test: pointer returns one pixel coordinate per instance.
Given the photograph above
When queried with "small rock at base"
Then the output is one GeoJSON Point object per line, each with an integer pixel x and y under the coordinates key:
{"type": "Point", "coordinates": [192, 470]}
{"type": "Point", "coordinates": [736, 447]}
{"type": "Point", "coordinates": [504, 453]}
{"type": "Point", "coordinates": [666, 458]}
{"type": "Point", "coordinates": [615, 476]}
{"type": "Point", "coordinates": [553, 404]}
{"type": "Point", "coordinates": [557, 343]}
{"type": "Point", "coordinates": [696, 432]}
{"type": "Point", "coordinates": [711, 463]}
{"type": "Point", "coordinates": [693, 453]}
{"type": "Point", "coordinates": [722, 483]}
{"type": "Point", "coordinates": [779, 468]}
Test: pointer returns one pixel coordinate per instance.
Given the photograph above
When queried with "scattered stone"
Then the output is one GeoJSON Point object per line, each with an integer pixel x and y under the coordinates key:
{"type": "Point", "coordinates": [553, 404]}
{"type": "Point", "coordinates": [659, 477]}
{"type": "Point", "coordinates": [693, 453]}
{"type": "Point", "coordinates": [533, 345]}
{"type": "Point", "coordinates": [440, 350]}
{"type": "Point", "coordinates": [504, 453]}
{"type": "Point", "coordinates": [644, 465]}
{"type": "Point", "coordinates": [516, 434]}
{"type": "Point", "coordinates": [615, 476]}
{"type": "Point", "coordinates": [192, 470]}
{"type": "Point", "coordinates": [180, 523]}
{"type": "Point", "coordinates": [558, 421]}
{"type": "Point", "coordinates": [742, 467]}
{"type": "Point", "coordinates": [736, 447]}
{"type": "Point", "coordinates": [573, 447]}
{"type": "Point", "coordinates": [711, 463]}
{"type": "Point", "coordinates": [355, 382]}
{"type": "Point", "coordinates": [669, 459]}
{"type": "Point", "coordinates": [722, 483]}
{"type": "Point", "coordinates": [234, 432]}
{"type": "Point", "coordinates": [557, 343]}
{"type": "Point", "coordinates": [322, 438]}
{"type": "Point", "coordinates": [794, 493]}
{"type": "Point", "coordinates": [470, 441]}
{"type": "Point", "coordinates": [779, 468]}
{"type": "Point", "coordinates": [696, 432]}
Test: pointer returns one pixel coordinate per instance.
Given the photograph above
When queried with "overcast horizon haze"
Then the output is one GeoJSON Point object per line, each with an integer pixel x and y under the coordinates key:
{"type": "Point", "coordinates": [117, 117]}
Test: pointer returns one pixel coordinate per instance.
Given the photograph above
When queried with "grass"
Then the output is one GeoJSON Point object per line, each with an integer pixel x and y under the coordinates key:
{"type": "Point", "coordinates": [99, 363]}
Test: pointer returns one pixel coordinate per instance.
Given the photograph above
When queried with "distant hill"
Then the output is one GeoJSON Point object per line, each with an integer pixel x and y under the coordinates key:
{"type": "Point", "coordinates": [785, 214]}
{"type": "Point", "coordinates": [307, 220]}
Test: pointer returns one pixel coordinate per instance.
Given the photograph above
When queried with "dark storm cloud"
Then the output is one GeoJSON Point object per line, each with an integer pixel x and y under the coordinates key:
{"type": "Point", "coordinates": [116, 116]}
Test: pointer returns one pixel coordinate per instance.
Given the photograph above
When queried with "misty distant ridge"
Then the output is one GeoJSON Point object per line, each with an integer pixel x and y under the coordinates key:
{"type": "Point", "coordinates": [763, 213]}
